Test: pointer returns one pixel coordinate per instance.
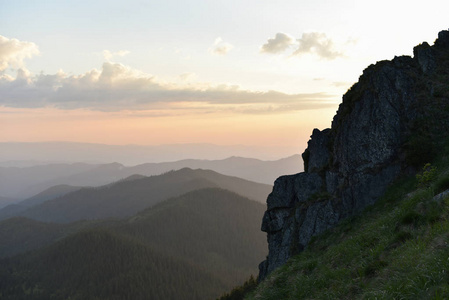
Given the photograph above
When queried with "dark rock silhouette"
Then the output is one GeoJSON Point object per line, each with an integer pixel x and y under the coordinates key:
{"type": "Point", "coordinates": [383, 128]}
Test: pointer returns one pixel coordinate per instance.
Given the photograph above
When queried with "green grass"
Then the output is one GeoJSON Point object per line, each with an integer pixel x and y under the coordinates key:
{"type": "Point", "coordinates": [396, 249]}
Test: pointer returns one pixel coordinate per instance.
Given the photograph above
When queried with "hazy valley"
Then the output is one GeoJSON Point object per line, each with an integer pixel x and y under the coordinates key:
{"type": "Point", "coordinates": [25, 182]}
{"type": "Point", "coordinates": [194, 232]}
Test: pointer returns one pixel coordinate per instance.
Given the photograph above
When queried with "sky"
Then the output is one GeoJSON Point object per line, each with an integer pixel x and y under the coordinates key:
{"type": "Point", "coordinates": [247, 72]}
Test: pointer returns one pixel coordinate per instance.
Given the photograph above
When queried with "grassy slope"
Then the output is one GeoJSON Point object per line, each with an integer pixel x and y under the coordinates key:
{"type": "Point", "coordinates": [397, 249]}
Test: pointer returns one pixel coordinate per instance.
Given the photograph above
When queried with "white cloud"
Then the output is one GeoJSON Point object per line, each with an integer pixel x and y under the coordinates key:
{"type": "Point", "coordinates": [317, 43]}
{"type": "Point", "coordinates": [117, 87]}
{"type": "Point", "coordinates": [108, 55]}
{"type": "Point", "coordinates": [280, 43]}
{"type": "Point", "coordinates": [13, 52]}
{"type": "Point", "coordinates": [220, 47]}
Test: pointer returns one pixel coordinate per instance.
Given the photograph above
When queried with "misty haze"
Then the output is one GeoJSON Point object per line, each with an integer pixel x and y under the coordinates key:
{"type": "Point", "coordinates": [258, 150]}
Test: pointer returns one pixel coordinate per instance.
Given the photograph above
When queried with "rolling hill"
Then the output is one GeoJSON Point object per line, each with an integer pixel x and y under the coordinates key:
{"type": "Point", "coordinates": [127, 197]}
{"type": "Point", "coordinates": [51, 193]}
{"type": "Point", "coordinates": [195, 246]}
{"type": "Point", "coordinates": [25, 182]}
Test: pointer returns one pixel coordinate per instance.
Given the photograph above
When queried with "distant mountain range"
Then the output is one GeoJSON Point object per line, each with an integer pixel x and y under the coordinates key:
{"type": "Point", "coordinates": [124, 198]}
{"type": "Point", "coordinates": [26, 182]}
{"type": "Point", "coordinates": [30, 154]}
{"type": "Point", "coordinates": [16, 207]}
{"type": "Point", "coordinates": [195, 246]}
{"type": "Point", "coordinates": [152, 231]}
{"type": "Point", "coordinates": [4, 201]}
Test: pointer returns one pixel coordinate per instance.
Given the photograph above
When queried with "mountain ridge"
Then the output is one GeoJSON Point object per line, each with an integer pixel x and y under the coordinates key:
{"type": "Point", "coordinates": [27, 182]}
{"type": "Point", "coordinates": [130, 154]}
{"type": "Point", "coordinates": [126, 197]}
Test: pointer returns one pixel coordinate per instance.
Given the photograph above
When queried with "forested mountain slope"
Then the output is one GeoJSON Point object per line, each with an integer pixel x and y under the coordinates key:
{"type": "Point", "coordinates": [98, 264]}
{"type": "Point", "coordinates": [214, 228]}
{"type": "Point", "coordinates": [195, 246]}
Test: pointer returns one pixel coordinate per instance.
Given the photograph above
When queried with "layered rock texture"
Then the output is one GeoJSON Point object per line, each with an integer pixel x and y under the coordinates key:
{"type": "Point", "coordinates": [388, 124]}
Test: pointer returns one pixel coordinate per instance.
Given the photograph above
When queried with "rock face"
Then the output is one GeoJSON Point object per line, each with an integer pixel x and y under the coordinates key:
{"type": "Point", "coordinates": [376, 135]}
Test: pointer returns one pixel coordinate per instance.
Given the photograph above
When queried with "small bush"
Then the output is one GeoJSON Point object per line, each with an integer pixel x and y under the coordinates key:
{"type": "Point", "coordinates": [427, 175]}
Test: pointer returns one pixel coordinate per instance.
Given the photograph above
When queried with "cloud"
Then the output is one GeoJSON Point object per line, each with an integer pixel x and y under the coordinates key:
{"type": "Point", "coordinates": [280, 43]}
{"type": "Point", "coordinates": [117, 87]}
{"type": "Point", "coordinates": [108, 55]}
{"type": "Point", "coordinates": [317, 43]}
{"type": "Point", "coordinates": [13, 52]}
{"type": "Point", "coordinates": [220, 47]}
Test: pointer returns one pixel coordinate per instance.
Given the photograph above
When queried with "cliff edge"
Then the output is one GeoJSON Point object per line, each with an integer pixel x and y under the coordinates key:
{"type": "Point", "coordinates": [389, 123]}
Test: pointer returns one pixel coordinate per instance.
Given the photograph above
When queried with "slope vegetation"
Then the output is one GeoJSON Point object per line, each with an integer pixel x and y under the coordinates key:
{"type": "Point", "coordinates": [396, 249]}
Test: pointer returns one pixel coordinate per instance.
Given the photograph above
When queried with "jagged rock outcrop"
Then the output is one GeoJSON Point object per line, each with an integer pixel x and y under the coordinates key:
{"type": "Point", "coordinates": [381, 130]}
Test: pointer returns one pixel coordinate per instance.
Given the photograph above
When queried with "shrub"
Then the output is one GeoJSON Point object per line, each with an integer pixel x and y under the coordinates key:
{"type": "Point", "coordinates": [427, 175]}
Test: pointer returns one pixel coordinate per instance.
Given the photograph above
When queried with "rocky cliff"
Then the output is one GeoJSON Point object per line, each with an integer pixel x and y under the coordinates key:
{"type": "Point", "coordinates": [389, 123]}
